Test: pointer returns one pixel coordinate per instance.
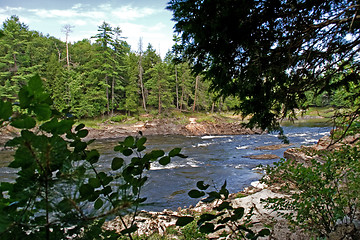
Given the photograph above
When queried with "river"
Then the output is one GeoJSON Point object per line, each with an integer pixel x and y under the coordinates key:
{"type": "Point", "coordinates": [213, 159]}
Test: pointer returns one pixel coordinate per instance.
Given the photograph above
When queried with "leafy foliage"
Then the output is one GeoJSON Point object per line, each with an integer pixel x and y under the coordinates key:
{"type": "Point", "coordinates": [323, 195]}
{"type": "Point", "coordinates": [102, 76]}
{"type": "Point", "coordinates": [270, 53]}
{"type": "Point", "coordinates": [225, 215]}
{"type": "Point", "coordinates": [59, 192]}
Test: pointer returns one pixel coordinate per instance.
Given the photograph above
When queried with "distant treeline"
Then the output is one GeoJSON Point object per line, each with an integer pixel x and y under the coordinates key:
{"type": "Point", "coordinates": [100, 76]}
{"type": "Point", "coordinates": [104, 75]}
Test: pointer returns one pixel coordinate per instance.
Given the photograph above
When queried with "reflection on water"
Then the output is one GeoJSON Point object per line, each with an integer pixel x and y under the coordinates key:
{"type": "Point", "coordinates": [213, 159]}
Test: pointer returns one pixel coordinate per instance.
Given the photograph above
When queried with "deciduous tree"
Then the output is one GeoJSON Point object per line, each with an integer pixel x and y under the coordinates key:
{"type": "Point", "coordinates": [269, 53]}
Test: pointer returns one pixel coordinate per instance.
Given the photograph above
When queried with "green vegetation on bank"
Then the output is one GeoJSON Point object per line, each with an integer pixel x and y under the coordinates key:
{"type": "Point", "coordinates": [267, 59]}
{"type": "Point", "coordinates": [105, 77]}
{"type": "Point", "coordinates": [101, 77]}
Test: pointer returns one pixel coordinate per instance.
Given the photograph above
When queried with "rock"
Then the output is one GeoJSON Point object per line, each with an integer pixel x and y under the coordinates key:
{"type": "Point", "coordinates": [148, 222]}
{"type": "Point", "coordinates": [263, 156]}
{"type": "Point", "coordinates": [273, 147]}
{"type": "Point", "coordinates": [258, 184]}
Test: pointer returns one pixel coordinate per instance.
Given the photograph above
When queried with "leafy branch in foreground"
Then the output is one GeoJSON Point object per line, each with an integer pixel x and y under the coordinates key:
{"type": "Point", "coordinates": [59, 191]}
{"type": "Point", "coordinates": [226, 217]}
{"type": "Point", "coordinates": [324, 196]}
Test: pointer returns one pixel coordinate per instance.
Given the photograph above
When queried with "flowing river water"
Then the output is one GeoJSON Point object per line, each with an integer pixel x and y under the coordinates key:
{"type": "Point", "coordinates": [213, 159]}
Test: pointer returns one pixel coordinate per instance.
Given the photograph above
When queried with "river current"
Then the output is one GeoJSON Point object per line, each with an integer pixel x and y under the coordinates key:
{"type": "Point", "coordinates": [212, 159]}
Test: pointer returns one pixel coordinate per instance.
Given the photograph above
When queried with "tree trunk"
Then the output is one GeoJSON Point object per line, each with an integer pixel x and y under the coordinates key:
{"type": "Point", "coordinates": [67, 53]}
{"type": "Point", "coordinates": [59, 53]}
{"type": "Point", "coordinates": [107, 95]}
{"type": "Point", "coordinates": [182, 94]}
{"type": "Point", "coordinates": [141, 71]}
{"type": "Point", "coordinates": [196, 89]}
{"type": "Point", "coordinates": [177, 88]}
{"type": "Point", "coordinates": [159, 96]}
{"type": "Point", "coordinates": [112, 96]}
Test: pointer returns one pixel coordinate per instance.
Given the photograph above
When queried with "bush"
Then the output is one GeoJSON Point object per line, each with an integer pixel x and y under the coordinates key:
{"type": "Point", "coordinates": [323, 196]}
{"type": "Point", "coordinates": [59, 193]}
{"type": "Point", "coordinates": [119, 118]}
{"type": "Point", "coordinates": [224, 216]}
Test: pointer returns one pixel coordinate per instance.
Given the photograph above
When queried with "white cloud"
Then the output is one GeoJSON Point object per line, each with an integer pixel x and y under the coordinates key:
{"type": "Point", "coordinates": [77, 6]}
{"type": "Point", "coordinates": [135, 22]}
{"type": "Point", "coordinates": [127, 13]}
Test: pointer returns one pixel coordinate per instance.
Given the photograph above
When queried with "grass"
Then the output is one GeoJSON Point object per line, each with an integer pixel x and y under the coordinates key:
{"type": "Point", "coordinates": [324, 112]}
{"type": "Point", "coordinates": [313, 115]}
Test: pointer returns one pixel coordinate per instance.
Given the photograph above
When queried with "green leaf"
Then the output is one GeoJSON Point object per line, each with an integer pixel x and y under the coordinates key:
{"type": "Point", "coordinates": [94, 182]}
{"type": "Point", "coordinates": [65, 205]}
{"type": "Point", "coordinates": [35, 84]}
{"type": "Point", "coordinates": [132, 229]}
{"type": "Point", "coordinates": [219, 227]}
{"type": "Point", "coordinates": [79, 127]}
{"type": "Point", "coordinates": [182, 221]}
{"type": "Point", "coordinates": [24, 122]}
{"type": "Point", "coordinates": [24, 98]}
{"type": "Point", "coordinates": [181, 155]}
{"type": "Point", "coordinates": [86, 190]}
{"type": "Point", "coordinates": [127, 152]}
{"type": "Point", "coordinates": [224, 220]}
{"type": "Point", "coordinates": [98, 203]}
{"type": "Point", "coordinates": [164, 160]}
{"type": "Point", "coordinates": [207, 228]}
{"type": "Point", "coordinates": [119, 148]}
{"type": "Point", "coordinates": [207, 217]}
{"type": "Point", "coordinates": [107, 190]}
{"type": "Point", "coordinates": [93, 156]}
{"type": "Point", "coordinates": [264, 232]}
{"type": "Point", "coordinates": [155, 154]}
{"type": "Point", "coordinates": [82, 133]}
{"type": "Point", "coordinates": [212, 196]}
{"type": "Point", "coordinates": [56, 127]}
{"type": "Point", "coordinates": [174, 152]}
{"type": "Point", "coordinates": [129, 141]}
{"type": "Point", "coordinates": [200, 185]}
{"type": "Point", "coordinates": [224, 191]}
{"type": "Point", "coordinates": [238, 213]}
{"type": "Point", "coordinates": [117, 163]}
{"type": "Point", "coordinates": [80, 146]}
{"type": "Point", "coordinates": [196, 194]}
{"type": "Point", "coordinates": [223, 205]}
{"type": "Point", "coordinates": [43, 112]}
{"type": "Point", "coordinates": [65, 126]}
{"type": "Point", "coordinates": [140, 143]}
{"type": "Point", "coordinates": [5, 110]}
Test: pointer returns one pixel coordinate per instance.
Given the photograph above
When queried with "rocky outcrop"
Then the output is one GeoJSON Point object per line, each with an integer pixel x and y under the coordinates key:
{"type": "Point", "coordinates": [169, 127]}
{"type": "Point", "coordinates": [263, 156]}
{"type": "Point", "coordinates": [208, 128]}
{"type": "Point", "coordinates": [157, 222]}
{"type": "Point", "coordinates": [273, 147]}
{"type": "Point", "coordinates": [305, 154]}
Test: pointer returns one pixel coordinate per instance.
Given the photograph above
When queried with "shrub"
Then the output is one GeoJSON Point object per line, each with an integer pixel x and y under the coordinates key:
{"type": "Point", "coordinates": [59, 193]}
{"type": "Point", "coordinates": [322, 196]}
{"type": "Point", "coordinates": [223, 215]}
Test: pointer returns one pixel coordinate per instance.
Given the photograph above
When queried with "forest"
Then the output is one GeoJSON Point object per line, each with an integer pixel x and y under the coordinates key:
{"type": "Point", "coordinates": [266, 59]}
{"type": "Point", "coordinates": [102, 75]}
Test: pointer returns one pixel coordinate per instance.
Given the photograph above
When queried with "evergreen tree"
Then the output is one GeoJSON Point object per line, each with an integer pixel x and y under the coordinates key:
{"type": "Point", "coordinates": [132, 90]}
{"type": "Point", "coordinates": [160, 93]}
{"type": "Point", "coordinates": [13, 46]}
{"type": "Point", "coordinates": [270, 53]}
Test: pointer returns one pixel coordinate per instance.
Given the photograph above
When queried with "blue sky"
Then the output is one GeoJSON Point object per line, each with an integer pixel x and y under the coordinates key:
{"type": "Point", "coordinates": [137, 18]}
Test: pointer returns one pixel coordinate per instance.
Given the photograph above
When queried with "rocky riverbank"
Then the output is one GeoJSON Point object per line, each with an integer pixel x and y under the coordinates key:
{"type": "Point", "coordinates": [249, 198]}
{"type": "Point", "coordinates": [167, 126]}
{"type": "Point", "coordinates": [170, 127]}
